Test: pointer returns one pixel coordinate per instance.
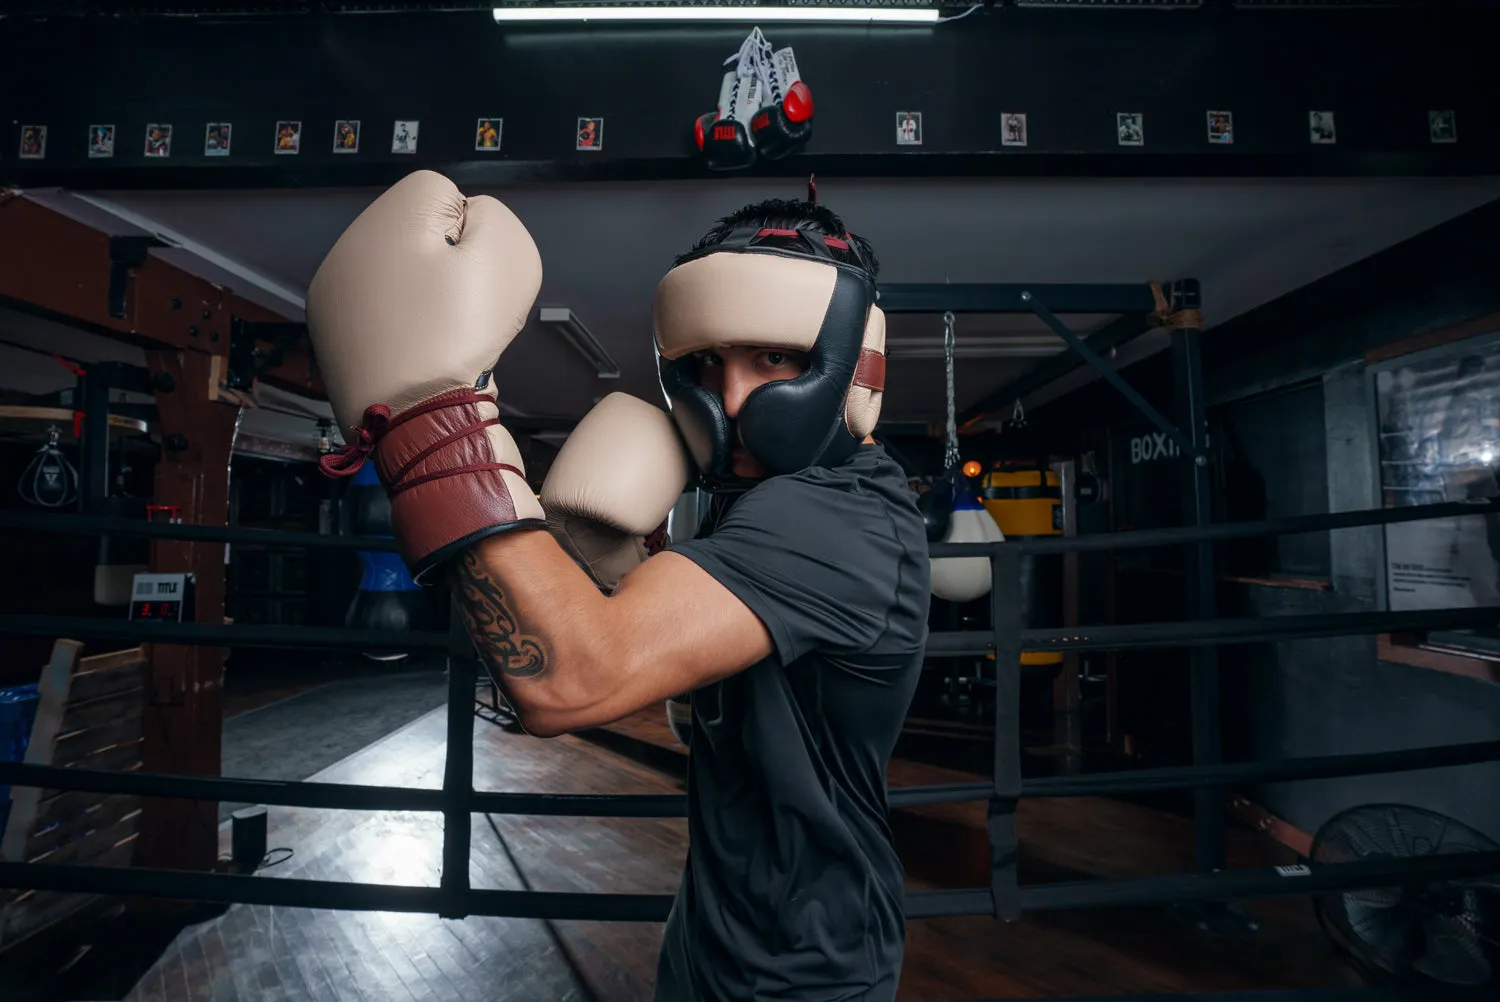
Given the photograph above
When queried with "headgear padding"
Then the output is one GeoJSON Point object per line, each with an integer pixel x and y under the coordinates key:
{"type": "Point", "coordinates": [778, 289]}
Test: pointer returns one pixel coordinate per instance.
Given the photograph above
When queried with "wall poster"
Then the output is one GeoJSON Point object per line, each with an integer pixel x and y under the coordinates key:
{"type": "Point", "coordinates": [1439, 435]}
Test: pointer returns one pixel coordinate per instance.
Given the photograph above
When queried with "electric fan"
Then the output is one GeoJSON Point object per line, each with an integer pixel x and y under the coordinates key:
{"type": "Point", "coordinates": [1446, 932]}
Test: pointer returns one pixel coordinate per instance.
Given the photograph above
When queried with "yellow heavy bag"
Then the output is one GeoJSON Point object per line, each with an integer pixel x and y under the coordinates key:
{"type": "Point", "coordinates": [963, 579]}
{"type": "Point", "coordinates": [1025, 503]}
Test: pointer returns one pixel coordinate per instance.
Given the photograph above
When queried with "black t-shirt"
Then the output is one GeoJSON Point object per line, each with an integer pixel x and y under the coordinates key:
{"type": "Point", "coordinates": [792, 889]}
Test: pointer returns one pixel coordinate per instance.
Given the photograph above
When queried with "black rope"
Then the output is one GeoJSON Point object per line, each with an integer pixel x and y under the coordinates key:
{"type": "Point", "coordinates": [289, 892]}
{"type": "Point", "coordinates": [97, 525]}
{"type": "Point", "coordinates": [342, 796]}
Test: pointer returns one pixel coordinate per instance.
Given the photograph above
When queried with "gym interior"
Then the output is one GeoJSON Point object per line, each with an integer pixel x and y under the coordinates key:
{"type": "Point", "coordinates": [1194, 301]}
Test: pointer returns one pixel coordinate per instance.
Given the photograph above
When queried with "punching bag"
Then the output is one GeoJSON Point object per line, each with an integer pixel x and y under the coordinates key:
{"type": "Point", "coordinates": [1026, 502]}
{"type": "Point", "coordinates": [962, 579]}
{"type": "Point", "coordinates": [387, 599]}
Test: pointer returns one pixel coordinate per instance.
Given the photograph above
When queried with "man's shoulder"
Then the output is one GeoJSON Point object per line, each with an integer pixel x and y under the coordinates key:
{"type": "Point", "coordinates": [870, 471]}
{"type": "Point", "coordinates": [865, 497]}
{"type": "Point", "coordinates": [869, 484]}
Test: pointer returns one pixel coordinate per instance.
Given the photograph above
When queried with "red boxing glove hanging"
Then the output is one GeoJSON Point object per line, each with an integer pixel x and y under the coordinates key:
{"type": "Point", "coordinates": [784, 124]}
{"type": "Point", "coordinates": [723, 135]}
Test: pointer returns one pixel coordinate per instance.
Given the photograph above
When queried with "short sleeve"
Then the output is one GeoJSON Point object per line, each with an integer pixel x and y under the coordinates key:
{"type": "Point", "coordinates": [817, 561]}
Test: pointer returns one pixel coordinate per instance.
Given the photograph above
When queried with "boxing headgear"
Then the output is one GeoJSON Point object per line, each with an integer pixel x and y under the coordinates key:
{"type": "Point", "coordinates": [779, 289]}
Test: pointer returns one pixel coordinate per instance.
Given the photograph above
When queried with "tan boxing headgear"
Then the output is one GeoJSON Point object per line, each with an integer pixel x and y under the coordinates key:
{"type": "Point", "coordinates": [773, 288]}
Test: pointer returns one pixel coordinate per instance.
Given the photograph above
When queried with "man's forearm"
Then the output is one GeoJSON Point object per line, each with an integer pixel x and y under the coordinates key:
{"type": "Point", "coordinates": [510, 653]}
{"type": "Point", "coordinates": [569, 658]}
{"type": "Point", "coordinates": [535, 619]}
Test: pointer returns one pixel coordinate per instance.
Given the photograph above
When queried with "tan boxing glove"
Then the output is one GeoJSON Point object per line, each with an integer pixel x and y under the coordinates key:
{"type": "Point", "coordinates": [408, 315]}
{"type": "Point", "coordinates": [612, 485]}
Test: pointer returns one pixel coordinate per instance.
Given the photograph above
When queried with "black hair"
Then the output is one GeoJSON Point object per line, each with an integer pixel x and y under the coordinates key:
{"type": "Point", "coordinates": [791, 214]}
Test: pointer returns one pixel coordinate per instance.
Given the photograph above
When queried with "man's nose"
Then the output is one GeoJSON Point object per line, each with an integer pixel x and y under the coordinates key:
{"type": "Point", "coordinates": [737, 386]}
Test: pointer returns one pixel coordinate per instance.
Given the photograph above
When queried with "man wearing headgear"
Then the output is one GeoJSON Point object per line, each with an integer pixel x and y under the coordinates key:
{"type": "Point", "coordinates": [796, 618]}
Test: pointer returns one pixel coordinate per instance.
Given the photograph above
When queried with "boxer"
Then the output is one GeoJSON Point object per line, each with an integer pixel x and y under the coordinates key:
{"type": "Point", "coordinates": [797, 618]}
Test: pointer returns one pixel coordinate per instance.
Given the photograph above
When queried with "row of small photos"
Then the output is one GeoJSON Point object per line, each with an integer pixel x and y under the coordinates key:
{"type": "Point", "coordinates": [218, 138]}
{"type": "Point", "coordinates": [1130, 130]}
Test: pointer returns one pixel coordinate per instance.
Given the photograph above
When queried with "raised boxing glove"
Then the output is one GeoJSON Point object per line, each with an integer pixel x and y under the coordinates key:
{"type": "Point", "coordinates": [612, 485]}
{"type": "Point", "coordinates": [784, 124]}
{"type": "Point", "coordinates": [408, 315]}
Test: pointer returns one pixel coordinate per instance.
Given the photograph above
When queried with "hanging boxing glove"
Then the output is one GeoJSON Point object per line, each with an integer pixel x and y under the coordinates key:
{"type": "Point", "coordinates": [783, 125]}
{"type": "Point", "coordinates": [963, 579]}
{"type": "Point", "coordinates": [725, 140]}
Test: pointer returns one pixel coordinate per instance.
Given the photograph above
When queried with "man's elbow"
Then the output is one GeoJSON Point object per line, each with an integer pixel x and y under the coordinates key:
{"type": "Point", "coordinates": [543, 723]}
{"type": "Point", "coordinates": [549, 711]}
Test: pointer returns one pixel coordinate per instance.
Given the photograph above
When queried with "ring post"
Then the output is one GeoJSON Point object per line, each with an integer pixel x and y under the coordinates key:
{"type": "Point", "coordinates": [458, 770]}
{"type": "Point", "coordinates": [1208, 803]}
{"type": "Point", "coordinates": [1005, 619]}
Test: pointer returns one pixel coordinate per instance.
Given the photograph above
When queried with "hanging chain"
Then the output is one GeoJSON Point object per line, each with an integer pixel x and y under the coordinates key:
{"type": "Point", "coordinates": [950, 455]}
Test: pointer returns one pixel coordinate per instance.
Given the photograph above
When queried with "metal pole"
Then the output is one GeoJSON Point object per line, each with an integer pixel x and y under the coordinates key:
{"type": "Point", "coordinates": [1208, 802]}
{"type": "Point", "coordinates": [1005, 620]}
{"type": "Point", "coordinates": [458, 771]}
{"type": "Point", "coordinates": [93, 445]}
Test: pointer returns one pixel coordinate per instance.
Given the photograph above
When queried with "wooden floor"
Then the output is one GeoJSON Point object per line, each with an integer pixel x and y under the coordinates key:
{"type": "Point", "coordinates": [264, 954]}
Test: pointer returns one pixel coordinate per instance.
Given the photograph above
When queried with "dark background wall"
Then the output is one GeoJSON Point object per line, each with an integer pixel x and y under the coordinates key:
{"type": "Point", "coordinates": [1294, 420]}
{"type": "Point", "coordinates": [1380, 72]}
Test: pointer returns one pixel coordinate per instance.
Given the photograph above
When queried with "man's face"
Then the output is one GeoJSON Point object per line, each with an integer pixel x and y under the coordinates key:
{"type": "Point", "coordinates": [733, 373]}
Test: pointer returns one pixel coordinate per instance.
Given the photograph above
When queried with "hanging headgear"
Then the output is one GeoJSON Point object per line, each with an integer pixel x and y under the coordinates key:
{"type": "Point", "coordinates": [782, 289]}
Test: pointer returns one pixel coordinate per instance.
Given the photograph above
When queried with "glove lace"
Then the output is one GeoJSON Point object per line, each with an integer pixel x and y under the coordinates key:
{"type": "Point", "coordinates": [346, 462]}
{"type": "Point", "coordinates": [377, 423]}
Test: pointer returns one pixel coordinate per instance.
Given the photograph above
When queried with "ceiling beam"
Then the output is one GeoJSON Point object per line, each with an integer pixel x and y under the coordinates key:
{"type": "Point", "coordinates": [1109, 337]}
{"type": "Point", "coordinates": [59, 267]}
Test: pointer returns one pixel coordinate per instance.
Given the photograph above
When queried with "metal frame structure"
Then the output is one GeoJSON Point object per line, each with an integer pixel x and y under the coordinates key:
{"type": "Point", "coordinates": [1139, 307]}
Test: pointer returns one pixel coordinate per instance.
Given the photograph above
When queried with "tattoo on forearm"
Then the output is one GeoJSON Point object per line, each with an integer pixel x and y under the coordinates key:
{"type": "Point", "coordinates": [492, 624]}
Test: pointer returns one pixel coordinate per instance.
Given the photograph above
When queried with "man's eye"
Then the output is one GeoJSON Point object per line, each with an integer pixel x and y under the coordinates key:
{"type": "Point", "coordinates": [775, 357]}
{"type": "Point", "coordinates": [709, 358]}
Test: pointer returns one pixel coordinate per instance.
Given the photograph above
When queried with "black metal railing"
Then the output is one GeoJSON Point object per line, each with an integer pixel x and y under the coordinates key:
{"type": "Point", "coordinates": [1005, 897]}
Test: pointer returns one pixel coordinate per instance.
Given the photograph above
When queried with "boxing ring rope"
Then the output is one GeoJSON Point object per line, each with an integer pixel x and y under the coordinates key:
{"type": "Point", "coordinates": [453, 898]}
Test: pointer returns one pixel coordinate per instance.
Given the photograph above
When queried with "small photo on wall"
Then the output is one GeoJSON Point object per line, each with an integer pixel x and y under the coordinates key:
{"type": "Point", "coordinates": [1130, 128]}
{"type": "Point", "coordinates": [1442, 126]}
{"type": "Point", "coordinates": [158, 140]}
{"type": "Point", "coordinates": [1012, 128]}
{"type": "Point", "coordinates": [216, 139]}
{"type": "Point", "coordinates": [1221, 127]}
{"type": "Point", "coordinates": [908, 128]}
{"type": "Point", "coordinates": [346, 136]}
{"type": "Point", "coordinates": [404, 136]}
{"type": "Point", "coordinates": [33, 142]}
{"type": "Point", "coordinates": [101, 141]}
{"type": "Point", "coordinates": [1320, 128]}
{"type": "Point", "coordinates": [288, 137]}
{"type": "Point", "coordinates": [487, 133]}
{"type": "Point", "coordinates": [590, 134]}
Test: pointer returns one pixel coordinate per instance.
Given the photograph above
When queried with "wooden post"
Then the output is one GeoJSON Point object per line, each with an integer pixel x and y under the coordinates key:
{"type": "Point", "coordinates": [74, 274]}
{"type": "Point", "coordinates": [184, 710]}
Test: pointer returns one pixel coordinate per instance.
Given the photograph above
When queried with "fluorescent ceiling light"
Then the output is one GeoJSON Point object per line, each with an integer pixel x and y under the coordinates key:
{"type": "Point", "coordinates": [562, 320]}
{"type": "Point", "coordinates": [622, 12]}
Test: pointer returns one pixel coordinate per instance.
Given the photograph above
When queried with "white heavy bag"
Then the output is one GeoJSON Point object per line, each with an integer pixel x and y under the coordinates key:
{"type": "Point", "coordinates": [962, 579]}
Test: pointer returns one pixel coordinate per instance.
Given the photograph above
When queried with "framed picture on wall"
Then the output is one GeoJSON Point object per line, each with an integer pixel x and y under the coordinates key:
{"type": "Point", "coordinates": [1438, 414]}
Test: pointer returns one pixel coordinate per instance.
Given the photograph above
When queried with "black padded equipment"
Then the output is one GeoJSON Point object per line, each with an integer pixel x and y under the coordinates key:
{"type": "Point", "coordinates": [791, 424]}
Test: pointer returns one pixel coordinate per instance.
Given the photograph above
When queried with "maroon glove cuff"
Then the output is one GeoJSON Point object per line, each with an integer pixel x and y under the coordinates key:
{"type": "Point", "coordinates": [444, 464]}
